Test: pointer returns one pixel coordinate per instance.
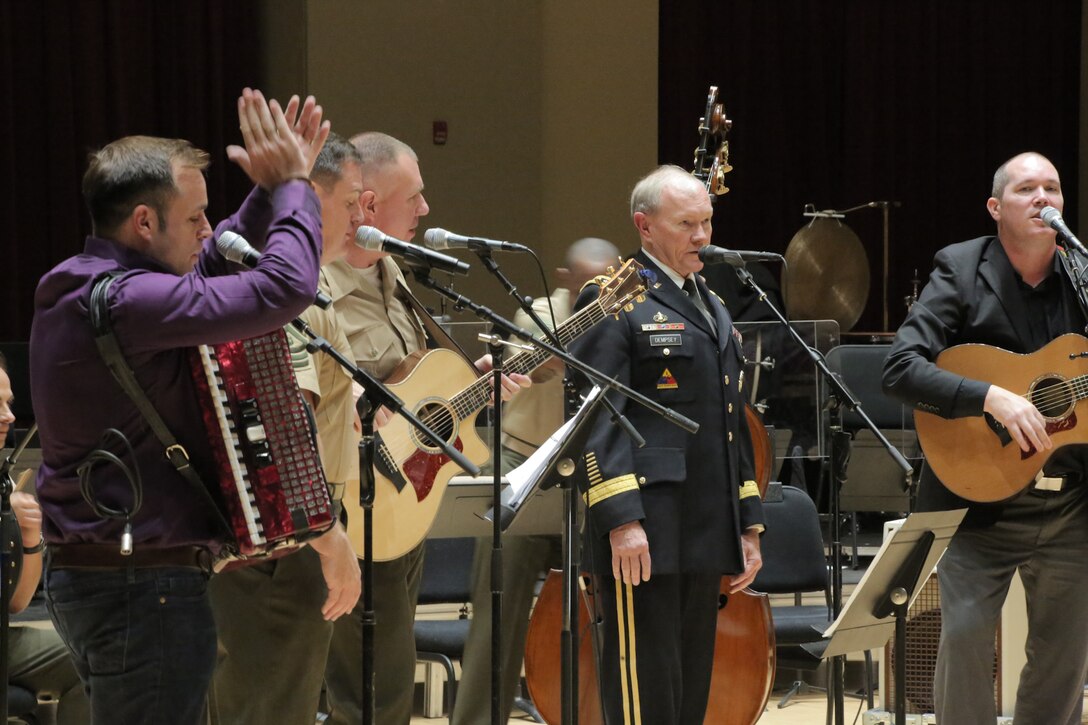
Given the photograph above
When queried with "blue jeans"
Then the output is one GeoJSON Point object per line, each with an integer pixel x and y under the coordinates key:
{"type": "Point", "coordinates": [145, 649]}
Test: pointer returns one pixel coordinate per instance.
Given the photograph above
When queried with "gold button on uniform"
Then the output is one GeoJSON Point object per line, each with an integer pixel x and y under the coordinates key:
{"type": "Point", "coordinates": [730, 436]}
{"type": "Point", "coordinates": [666, 352]}
{"type": "Point", "coordinates": [642, 480]}
{"type": "Point", "coordinates": [727, 380]}
{"type": "Point", "coordinates": [730, 407]}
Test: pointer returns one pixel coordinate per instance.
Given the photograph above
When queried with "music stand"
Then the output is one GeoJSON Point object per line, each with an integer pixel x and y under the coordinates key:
{"type": "Point", "coordinates": [468, 499]}
{"type": "Point", "coordinates": [553, 462]}
{"type": "Point", "coordinates": [556, 463]}
{"type": "Point", "coordinates": [878, 607]}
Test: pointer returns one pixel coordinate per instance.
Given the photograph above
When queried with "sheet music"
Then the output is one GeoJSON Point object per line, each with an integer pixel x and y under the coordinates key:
{"type": "Point", "coordinates": [523, 479]}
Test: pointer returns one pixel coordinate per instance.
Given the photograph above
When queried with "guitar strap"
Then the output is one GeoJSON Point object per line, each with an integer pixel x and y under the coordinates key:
{"type": "Point", "coordinates": [440, 336]}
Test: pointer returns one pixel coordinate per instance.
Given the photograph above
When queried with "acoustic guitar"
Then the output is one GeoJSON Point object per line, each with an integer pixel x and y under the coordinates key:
{"type": "Point", "coordinates": [976, 457]}
{"type": "Point", "coordinates": [446, 393]}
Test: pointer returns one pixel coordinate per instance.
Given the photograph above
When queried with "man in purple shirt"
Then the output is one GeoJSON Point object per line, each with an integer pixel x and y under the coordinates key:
{"type": "Point", "coordinates": [139, 626]}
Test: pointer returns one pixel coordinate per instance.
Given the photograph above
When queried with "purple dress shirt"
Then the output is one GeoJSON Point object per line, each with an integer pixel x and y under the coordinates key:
{"type": "Point", "coordinates": [157, 317]}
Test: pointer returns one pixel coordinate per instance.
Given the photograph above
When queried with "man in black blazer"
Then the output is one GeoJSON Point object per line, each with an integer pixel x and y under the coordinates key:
{"type": "Point", "coordinates": [684, 506]}
{"type": "Point", "coordinates": [1012, 291]}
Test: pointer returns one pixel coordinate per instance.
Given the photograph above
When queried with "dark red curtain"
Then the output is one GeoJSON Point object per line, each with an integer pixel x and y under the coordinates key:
{"type": "Point", "coordinates": [76, 75]}
{"type": "Point", "coordinates": [842, 102]}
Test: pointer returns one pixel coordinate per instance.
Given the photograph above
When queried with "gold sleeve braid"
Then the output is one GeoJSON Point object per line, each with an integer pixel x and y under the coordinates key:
{"type": "Point", "coordinates": [599, 489]}
{"type": "Point", "coordinates": [749, 489]}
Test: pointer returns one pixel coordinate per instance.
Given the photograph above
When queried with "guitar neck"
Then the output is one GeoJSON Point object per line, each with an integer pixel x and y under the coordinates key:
{"type": "Point", "coordinates": [477, 395]}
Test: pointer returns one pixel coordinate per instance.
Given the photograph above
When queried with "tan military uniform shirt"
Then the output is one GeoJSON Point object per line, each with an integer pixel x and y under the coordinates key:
{"type": "Point", "coordinates": [380, 328]}
{"type": "Point", "coordinates": [332, 386]}
{"type": "Point", "coordinates": [537, 412]}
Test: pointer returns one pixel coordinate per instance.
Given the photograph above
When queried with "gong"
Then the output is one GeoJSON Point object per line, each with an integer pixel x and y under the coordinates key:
{"type": "Point", "coordinates": [827, 273]}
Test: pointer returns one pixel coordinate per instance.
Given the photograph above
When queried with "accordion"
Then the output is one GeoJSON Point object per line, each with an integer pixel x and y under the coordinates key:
{"type": "Point", "coordinates": [270, 476]}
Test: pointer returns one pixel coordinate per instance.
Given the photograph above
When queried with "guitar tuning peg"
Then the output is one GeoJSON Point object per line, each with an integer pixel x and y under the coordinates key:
{"type": "Point", "coordinates": [627, 308]}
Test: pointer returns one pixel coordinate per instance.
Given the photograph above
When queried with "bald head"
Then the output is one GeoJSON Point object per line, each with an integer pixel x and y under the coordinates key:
{"type": "Point", "coordinates": [1001, 176]}
{"type": "Point", "coordinates": [378, 150]}
{"type": "Point", "coordinates": [586, 259]}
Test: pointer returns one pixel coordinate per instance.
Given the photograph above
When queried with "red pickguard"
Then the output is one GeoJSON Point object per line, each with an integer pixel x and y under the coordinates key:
{"type": "Point", "coordinates": [421, 467]}
{"type": "Point", "coordinates": [1052, 427]}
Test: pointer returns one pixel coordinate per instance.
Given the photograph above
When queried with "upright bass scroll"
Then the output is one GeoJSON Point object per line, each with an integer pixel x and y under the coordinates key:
{"type": "Point", "coordinates": [711, 170]}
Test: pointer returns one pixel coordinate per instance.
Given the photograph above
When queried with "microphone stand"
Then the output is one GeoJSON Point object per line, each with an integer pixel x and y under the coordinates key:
{"type": "Point", "coordinates": [495, 344]}
{"type": "Point", "coordinates": [839, 397]}
{"type": "Point", "coordinates": [375, 395]}
{"type": "Point", "coordinates": [569, 634]}
{"type": "Point", "coordinates": [367, 444]}
{"type": "Point", "coordinates": [9, 576]}
{"type": "Point", "coordinates": [1075, 271]}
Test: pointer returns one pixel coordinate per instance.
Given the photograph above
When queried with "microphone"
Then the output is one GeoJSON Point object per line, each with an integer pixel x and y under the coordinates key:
{"type": "Point", "coordinates": [441, 239]}
{"type": "Point", "coordinates": [1053, 219]}
{"type": "Point", "coordinates": [235, 248]}
{"type": "Point", "coordinates": [736, 258]}
{"type": "Point", "coordinates": [375, 240]}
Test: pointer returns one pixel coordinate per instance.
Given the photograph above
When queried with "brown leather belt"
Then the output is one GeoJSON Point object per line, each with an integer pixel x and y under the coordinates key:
{"type": "Point", "coordinates": [109, 556]}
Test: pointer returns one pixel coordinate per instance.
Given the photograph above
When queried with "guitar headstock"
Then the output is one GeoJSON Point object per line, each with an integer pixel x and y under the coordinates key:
{"type": "Point", "coordinates": [624, 288]}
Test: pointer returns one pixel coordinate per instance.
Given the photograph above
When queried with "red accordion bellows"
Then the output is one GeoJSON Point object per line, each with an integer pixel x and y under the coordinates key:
{"type": "Point", "coordinates": [269, 472]}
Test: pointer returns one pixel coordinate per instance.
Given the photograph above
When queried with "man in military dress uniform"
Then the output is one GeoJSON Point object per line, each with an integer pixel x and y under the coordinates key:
{"type": "Point", "coordinates": [685, 507]}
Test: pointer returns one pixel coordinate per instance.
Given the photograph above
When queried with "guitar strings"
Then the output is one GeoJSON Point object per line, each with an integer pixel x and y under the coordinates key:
{"type": "Point", "coordinates": [468, 401]}
{"type": "Point", "coordinates": [461, 405]}
{"type": "Point", "coordinates": [1065, 392]}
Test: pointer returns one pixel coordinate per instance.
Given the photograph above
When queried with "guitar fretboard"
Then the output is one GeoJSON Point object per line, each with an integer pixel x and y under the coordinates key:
{"type": "Point", "coordinates": [475, 396]}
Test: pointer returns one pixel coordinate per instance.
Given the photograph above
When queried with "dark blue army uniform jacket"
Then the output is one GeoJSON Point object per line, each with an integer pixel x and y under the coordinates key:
{"type": "Point", "coordinates": [693, 493]}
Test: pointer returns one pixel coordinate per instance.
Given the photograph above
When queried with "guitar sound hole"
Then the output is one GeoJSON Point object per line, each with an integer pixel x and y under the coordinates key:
{"type": "Point", "coordinates": [1053, 397]}
{"type": "Point", "coordinates": [438, 418]}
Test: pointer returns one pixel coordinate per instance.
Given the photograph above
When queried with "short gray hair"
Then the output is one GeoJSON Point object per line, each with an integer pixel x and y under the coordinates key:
{"type": "Point", "coordinates": [646, 196]}
{"type": "Point", "coordinates": [377, 150]}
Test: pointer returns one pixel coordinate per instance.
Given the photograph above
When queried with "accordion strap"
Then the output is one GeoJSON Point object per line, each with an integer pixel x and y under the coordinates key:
{"type": "Point", "coordinates": [115, 360]}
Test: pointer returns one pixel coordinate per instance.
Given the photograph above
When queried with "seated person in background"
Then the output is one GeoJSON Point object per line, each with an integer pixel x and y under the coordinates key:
{"type": "Point", "coordinates": [37, 658]}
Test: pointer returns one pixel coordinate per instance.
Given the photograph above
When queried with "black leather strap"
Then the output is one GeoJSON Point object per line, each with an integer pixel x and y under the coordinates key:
{"type": "Point", "coordinates": [110, 350]}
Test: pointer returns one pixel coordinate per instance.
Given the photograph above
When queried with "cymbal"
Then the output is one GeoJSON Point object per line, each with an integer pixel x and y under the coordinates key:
{"type": "Point", "coordinates": [827, 273]}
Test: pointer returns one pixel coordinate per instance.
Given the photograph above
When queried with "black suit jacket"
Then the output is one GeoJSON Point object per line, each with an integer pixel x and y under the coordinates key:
{"type": "Point", "coordinates": [693, 493]}
{"type": "Point", "coordinates": [971, 297]}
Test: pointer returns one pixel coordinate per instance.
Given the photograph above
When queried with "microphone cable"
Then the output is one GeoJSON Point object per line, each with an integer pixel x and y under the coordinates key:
{"type": "Point", "coordinates": [101, 456]}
